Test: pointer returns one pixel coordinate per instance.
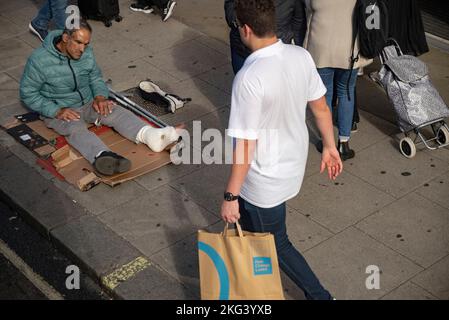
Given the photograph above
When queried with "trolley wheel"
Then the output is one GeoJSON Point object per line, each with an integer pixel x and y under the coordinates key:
{"type": "Point", "coordinates": [107, 23]}
{"type": "Point", "coordinates": [442, 135]}
{"type": "Point", "coordinates": [407, 147]}
{"type": "Point", "coordinates": [118, 18]}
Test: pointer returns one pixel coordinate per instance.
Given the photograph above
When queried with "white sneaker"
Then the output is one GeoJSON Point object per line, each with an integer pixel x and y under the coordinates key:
{"type": "Point", "coordinates": [168, 10]}
{"type": "Point", "coordinates": [141, 8]}
{"type": "Point", "coordinates": [360, 72]}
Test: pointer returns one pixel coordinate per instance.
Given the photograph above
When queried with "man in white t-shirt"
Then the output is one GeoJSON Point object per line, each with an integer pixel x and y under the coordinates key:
{"type": "Point", "coordinates": [268, 122]}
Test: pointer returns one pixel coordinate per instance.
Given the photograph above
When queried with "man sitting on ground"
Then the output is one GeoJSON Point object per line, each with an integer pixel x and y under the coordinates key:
{"type": "Point", "coordinates": [63, 83]}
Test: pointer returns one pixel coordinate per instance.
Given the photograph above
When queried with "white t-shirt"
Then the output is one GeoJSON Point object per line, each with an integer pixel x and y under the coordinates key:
{"type": "Point", "coordinates": [269, 100]}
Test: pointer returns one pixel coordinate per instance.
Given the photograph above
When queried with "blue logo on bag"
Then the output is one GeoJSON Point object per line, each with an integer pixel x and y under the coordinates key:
{"type": "Point", "coordinates": [221, 269]}
{"type": "Point", "coordinates": [262, 265]}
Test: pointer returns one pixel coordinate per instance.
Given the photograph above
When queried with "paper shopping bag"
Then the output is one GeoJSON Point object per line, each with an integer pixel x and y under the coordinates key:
{"type": "Point", "coordinates": [238, 265]}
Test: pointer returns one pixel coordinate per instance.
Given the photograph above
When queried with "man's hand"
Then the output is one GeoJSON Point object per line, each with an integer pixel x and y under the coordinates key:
{"type": "Point", "coordinates": [67, 114]}
{"type": "Point", "coordinates": [330, 159]}
{"type": "Point", "coordinates": [230, 211]}
{"type": "Point", "coordinates": [102, 105]}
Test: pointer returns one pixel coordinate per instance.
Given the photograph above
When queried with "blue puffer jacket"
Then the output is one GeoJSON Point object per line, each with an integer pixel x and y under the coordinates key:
{"type": "Point", "coordinates": [52, 81]}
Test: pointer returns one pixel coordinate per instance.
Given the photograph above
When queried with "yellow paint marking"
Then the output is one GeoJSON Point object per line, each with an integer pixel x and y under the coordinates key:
{"type": "Point", "coordinates": [127, 271]}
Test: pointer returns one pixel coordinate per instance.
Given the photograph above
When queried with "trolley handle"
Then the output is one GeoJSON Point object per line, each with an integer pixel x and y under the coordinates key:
{"type": "Point", "coordinates": [383, 54]}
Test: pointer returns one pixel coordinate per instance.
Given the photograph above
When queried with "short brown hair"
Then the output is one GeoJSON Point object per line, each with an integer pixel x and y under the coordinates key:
{"type": "Point", "coordinates": [83, 24]}
{"type": "Point", "coordinates": [259, 15]}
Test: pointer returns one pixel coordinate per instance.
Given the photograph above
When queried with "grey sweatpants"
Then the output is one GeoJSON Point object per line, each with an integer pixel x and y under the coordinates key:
{"type": "Point", "coordinates": [87, 143]}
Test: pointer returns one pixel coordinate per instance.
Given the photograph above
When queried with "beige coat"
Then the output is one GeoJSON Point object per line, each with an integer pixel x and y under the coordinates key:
{"type": "Point", "coordinates": [329, 35]}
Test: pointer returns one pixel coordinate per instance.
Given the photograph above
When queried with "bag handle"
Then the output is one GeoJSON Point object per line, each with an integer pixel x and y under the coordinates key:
{"type": "Point", "coordinates": [239, 229]}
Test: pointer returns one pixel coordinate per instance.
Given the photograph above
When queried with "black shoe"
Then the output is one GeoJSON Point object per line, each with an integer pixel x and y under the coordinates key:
{"type": "Point", "coordinates": [141, 8]}
{"type": "Point", "coordinates": [168, 10]}
{"type": "Point", "coordinates": [109, 163]}
{"type": "Point", "coordinates": [41, 34]}
{"type": "Point", "coordinates": [354, 127]}
{"type": "Point", "coordinates": [344, 150]}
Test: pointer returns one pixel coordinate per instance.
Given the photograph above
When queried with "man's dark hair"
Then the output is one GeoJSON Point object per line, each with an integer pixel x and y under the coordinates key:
{"type": "Point", "coordinates": [259, 15]}
{"type": "Point", "coordinates": [83, 24]}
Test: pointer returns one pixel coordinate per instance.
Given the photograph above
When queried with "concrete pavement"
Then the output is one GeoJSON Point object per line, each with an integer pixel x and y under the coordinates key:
{"type": "Point", "coordinates": [139, 239]}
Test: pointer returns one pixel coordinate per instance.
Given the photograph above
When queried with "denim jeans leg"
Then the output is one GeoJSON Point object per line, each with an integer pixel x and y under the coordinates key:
{"type": "Point", "coordinates": [327, 76]}
{"type": "Point", "coordinates": [58, 8]}
{"type": "Point", "coordinates": [43, 17]}
{"type": "Point", "coordinates": [290, 260]}
{"type": "Point", "coordinates": [345, 106]}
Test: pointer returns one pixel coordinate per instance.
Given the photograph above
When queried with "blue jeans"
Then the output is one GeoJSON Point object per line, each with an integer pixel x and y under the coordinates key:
{"type": "Point", "coordinates": [255, 219]}
{"type": "Point", "coordinates": [345, 106]}
{"type": "Point", "coordinates": [51, 10]}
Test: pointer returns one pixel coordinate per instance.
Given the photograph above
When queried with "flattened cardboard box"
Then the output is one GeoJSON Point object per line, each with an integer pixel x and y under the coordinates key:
{"type": "Point", "coordinates": [79, 172]}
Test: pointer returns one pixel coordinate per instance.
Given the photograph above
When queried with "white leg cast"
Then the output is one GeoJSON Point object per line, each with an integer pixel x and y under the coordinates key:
{"type": "Point", "coordinates": [157, 139]}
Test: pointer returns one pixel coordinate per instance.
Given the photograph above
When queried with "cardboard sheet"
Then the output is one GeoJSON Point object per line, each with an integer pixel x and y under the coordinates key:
{"type": "Point", "coordinates": [78, 171]}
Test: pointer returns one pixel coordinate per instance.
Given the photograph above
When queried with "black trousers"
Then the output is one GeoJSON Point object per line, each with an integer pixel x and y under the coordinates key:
{"type": "Point", "coordinates": [158, 3]}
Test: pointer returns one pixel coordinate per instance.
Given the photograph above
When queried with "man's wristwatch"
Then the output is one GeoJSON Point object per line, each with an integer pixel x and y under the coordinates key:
{"type": "Point", "coordinates": [230, 197]}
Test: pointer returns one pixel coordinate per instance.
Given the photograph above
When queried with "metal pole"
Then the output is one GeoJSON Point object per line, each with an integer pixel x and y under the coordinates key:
{"type": "Point", "coordinates": [135, 107]}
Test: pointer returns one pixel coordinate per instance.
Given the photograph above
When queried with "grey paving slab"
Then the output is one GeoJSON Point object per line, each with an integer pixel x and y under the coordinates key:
{"type": "Point", "coordinates": [373, 99]}
{"type": "Point", "coordinates": [313, 161]}
{"type": "Point", "coordinates": [13, 53]}
{"type": "Point", "coordinates": [129, 75]}
{"type": "Point", "coordinates": [165, 175]}
{"type": "Point", "coordinates": [6, 140]}
{"type": "Point", "coordinates": [205, 16]}
{"type": "Point", "coordinates": [46, 207]}
{"type": "Point", "coordinates": [22, 15]}
{"type": "Point", "coordinates": [7, 112]}
{"type": "Point", "coordinates": [116, 51]}
{"type": "Point", "coordinates": [390, 171]}
{"type": "Point", "coordinates": [409, 291]}
{"type": "Point", "coordinates": [341, 264]}
{"type": "Point", "coordinates": [182, 61]}
{"type": "Point", "coordinates": [216, 44]}
{"type": "Point", "coordinates": [157, 220]}
{"type": "Point", "coordinates": [150, 32]}
{"type": "Point", "coordinates": [437, 190]}
{"type": "Point", "coordinates": [205, 99]}
{"type": "Point", "coordinates": [181, 259]}
{"type": "Point", "coordinates": [30, 39]}
{"type": "Point", "coordinates": [218, 119]}
{"type": "Point", "coordinates": [371, 129]}
{"type": "Point", "coordinates": [94, 245]}
{"type": "Point", "coordinates": [338, 204]}
{"type": "Point", "coordinates": [206, 192]}
{"type": "Point", "coordinates": [30, 159]}
{"type": "Point", "coordinates": [439, 69]}
{"type": "Point", "coordinates": [16, 73]}
{"type": "Point", "coordinates": [9, 90]}
{"type": "Point", "coordinates": [8, 29]}
{"type": "Point", "coordinates": [435, 279]}
{"type": "Point", "coordinates": [102, 198]}
{"type": "Point", "coordinates": [442, 154]}
{"type": "Point", "coordinates": [220, 77]}
{"type": "Point", "coordinates": [413, 226]}
{"type": "Point", "coordinates": [291, 290]}
{"type": "Point", "coordinates": [8, 6]}
{"type": "Point", "coordinates": [303, 232]}
{"type": "Point", "coordinates": [154, 284]}
{"type": "Point", "coordinates": [208, 135]}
